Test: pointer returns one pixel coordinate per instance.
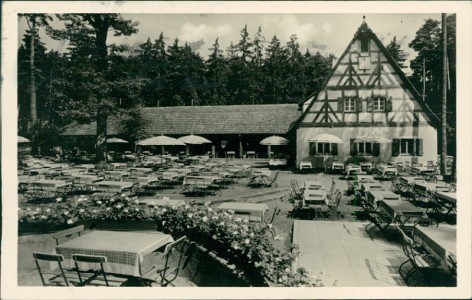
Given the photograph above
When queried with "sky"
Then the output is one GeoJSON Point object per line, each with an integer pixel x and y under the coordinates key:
{"type": "Point", "coordinates": [327, 33]}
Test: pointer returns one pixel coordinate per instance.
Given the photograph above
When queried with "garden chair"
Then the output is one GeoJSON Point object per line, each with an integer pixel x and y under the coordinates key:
{"type": "Point", "coordinates": [333, 186]}
{"type": "Point", "coordinates": [420, 261]}
{"type": "Point", "coordinates": [334, 204]}
{"type": "Point", "coordinates": [173, 257]}
{"type": "Point", "coordinates": [97, 276]}
{"type": "Point", "coordinates": [272, 181]}
{"type": "Point", "coordinates": [379, 222]}
{"type": "Point", "coordinates": [67, 233]}
{"type": "Point", "coordinates": [58, 276]}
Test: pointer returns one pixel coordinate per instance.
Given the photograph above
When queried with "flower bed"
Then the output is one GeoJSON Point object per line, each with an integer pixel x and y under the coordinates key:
{"type": "Point", "coordinates": [246, 246]}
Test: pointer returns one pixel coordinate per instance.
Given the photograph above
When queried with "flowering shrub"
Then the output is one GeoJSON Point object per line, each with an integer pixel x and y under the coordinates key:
{"type": "Point", "coordinates": [246, 246]}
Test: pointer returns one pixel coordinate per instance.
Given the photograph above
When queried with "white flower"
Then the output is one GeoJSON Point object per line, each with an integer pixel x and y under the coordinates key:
{"type": "Point", "coordinates": [210, 209]}
{"type": "Point", "coordinates": [137, 209]}
{"type": "Point", "coordinates": [99, 202]}
{"type": "Point", "coordinates": [58, 199]}
{"type": "Point", "coordinates": [66, 212]}
{"type": "Point", "coordinates": [44, 217]}
{"type": "Point", "coordinates": [235, 232]}
{"type": "Point", "coordinates": [94, 210]}
{"type": "Point", "coordinates": [164, 210]}
{"type": "Point", "coordinates": [246, 221]}
{"type": "Point", "coordinates": [48, 210]}
{"type": "Point", "coordinates": [247, 241]}
{"type": "Point", "coordinates": [125, 210]}
{"type": "Point", "coordinates": [123, 195]}
{"type": "Point", "coordinates": [205, 218]}
{"type": "Point", "coordinates": [222, 224]}
{"type": "Point", "coordinates": [287, 270]}
{"type": "Point", "coordinates": [189, 215]}
{"type": "Point", "coordinates": [214, 218]}
{"type": "Point", "coordinates": [251, 234]}
{"type": "Point", "coordinates": [238, 219]}
{"type": "Point", "coordinates": [214, 237]}
{"type": "Point", "coordinates": [70, 221]}
{"type": "Point", "coordinates": [118, 206]}
{"type": "Point", "coordinates": [81, 210]}
{"type": "Point", "coordinates": [187, 206]}
{"type": "Point", "coordinates": [38, 209]}
{"type": "Point", "coordinates": [112, 199]}
{"type": "Point", "coordinates": [136, 201]}
{"type": "Point", "coordinates": [126, 198]}
{"type": "Point", "coordinates": [33, 217]}
{"type": "Point", "coordinates": [108, 208]}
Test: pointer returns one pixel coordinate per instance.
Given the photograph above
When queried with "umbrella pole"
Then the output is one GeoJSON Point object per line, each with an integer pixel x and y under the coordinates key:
{"type": "Point", "coordinates": [268, 151]}
{"type": "Point", "coordinates": [187, 150]}
{"type": "Point", "coordinates": [162, 150]}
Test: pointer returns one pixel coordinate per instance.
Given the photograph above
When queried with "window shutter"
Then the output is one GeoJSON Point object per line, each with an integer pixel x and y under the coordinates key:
{"type": "Point", "coordinates": [340, 104]}
{"type": "Point", "coordinates": [419, 147]}
{"type": "Point", "coordinates": [388, 104]}
{"type": "Point", "coordinates": [353, 151]}
{"type": "Point", "coordinates": [312, 148]}
{"type": "Point", "coordinates": [370, 104]}
{"type": "Point", "coordinates": [359, 104]}
{"type": "Point", "coordinates": [334, 149]}
{"type": "Point", "coordinates": [396, 147]}
{"type": "Point", "coordinates": [376, 149]}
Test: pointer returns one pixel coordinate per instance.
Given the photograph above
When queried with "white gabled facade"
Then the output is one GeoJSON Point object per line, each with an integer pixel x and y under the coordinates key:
{"type": "Point", "coordinates": [367, 95]}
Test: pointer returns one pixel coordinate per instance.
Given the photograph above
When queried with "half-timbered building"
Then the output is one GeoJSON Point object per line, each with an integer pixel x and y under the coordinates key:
{"type": "Point", "coordinates": [370, 105]}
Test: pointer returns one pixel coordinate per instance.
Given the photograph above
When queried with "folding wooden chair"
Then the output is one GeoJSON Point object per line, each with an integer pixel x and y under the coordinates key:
{"type": "Point", "coordinates": [67, 233]}
{"type": "Point", "coordinates": [379, 222]}
{"type": "Point", "coordinates": [165, 274]}
{"type": "Point", "coordinates": [58, 276]}
{"type": "Point", "coordinates": [334, 204]}
{"type": "Point", "coordinates": [96, 276]}
{"type": "Point", "coordinates": [420, 261]}
{"type": "Point", "coordinates": [272, 181]}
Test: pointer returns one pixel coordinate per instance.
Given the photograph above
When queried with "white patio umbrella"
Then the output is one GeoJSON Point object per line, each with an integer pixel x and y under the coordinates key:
{"type": "Point", "coordinates": [273, 140]}
{"type": "Point", "coordinates": [194, 140]}
{"type": "Point", "coordinates": [23, 140]}
{"type": "Point", "coordinates": [326, 138]}
{"type": "Point", "coordinates": [116, 141]}
{"type": "Point", "coordinates": [162, 141]}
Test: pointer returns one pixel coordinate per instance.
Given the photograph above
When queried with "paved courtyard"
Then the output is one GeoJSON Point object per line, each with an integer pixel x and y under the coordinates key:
{"type": "Point", "coordinates": [342, 254]}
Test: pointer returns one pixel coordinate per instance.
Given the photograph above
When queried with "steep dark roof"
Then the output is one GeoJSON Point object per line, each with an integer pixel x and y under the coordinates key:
{"type": "Point", "coordinates": [229, 119]}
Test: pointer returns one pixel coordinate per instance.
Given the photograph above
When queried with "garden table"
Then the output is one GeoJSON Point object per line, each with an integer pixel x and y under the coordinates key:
{"type": "Point", "coordinates": [449, 197]}
{"type": "Point", "coordinates": [374, 196]}
{"type": "Point", "coordinates": [262, 172]}
{"type": "Point", "coordinates": [48, 184]}
{"type": "Point", "coordinates": [422, 170]}
{"type": "Point", "coordinates": [127, 252]}
{"type": "Point", "coordinates": [163, 202]}
{"type": "Point", "coordinates": [305, 165]}
{"type": "Point", "coordinates": [353, 169]}
{"type": "Point", "coordinates": [251, 211]}
{"type": "Point", "coordinates": [364, 179]}
{"type": "Point", "coordinates": [425, 186]}
{"type": "Point", "coordinates": [387, 169]}
{"type": "Point", "coordinates": [336, 165]}
{"type": "Point", "coordinates": [116, 174]}
{"type": "Point", "coordinates": [439, 241]}
{"type": "Point", "coordinates": [372, 186]}
{"type": "Point", "coordinates": [400, 209]}
{"type": "Point", "coordinates": [170, 175]}
{"type": "Point", "coordinates": [315, 197]}
{"type": "Point", "coordinates": [140, 171]}
{"type": "Point", "coordinates": [85, 179]}
{"type": "Point", "coordinates": [313, 185]}
{"type": "Point", "coordinates": [113, 186]}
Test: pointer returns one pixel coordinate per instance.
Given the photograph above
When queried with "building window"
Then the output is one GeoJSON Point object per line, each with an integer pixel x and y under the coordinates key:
{"type": "Point", "coordinates": [411, 146]}
{"type": "Point", "coordinates": [323, 148]}
{"type": "Point", "coordinates": [379, 103]}
{"type": "Point", "coordinates": [350, 104]}
{"type": "Point", "coordinates": [364, 44]}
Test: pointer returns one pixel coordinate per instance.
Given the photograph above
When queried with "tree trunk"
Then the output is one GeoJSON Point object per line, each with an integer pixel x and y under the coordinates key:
{"type": "Point", "coordinates": [444, 98]}
{"type": "Point", "coordinates": [101, 146]}
{"type": "Point", "coordinates": [32, 89]}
